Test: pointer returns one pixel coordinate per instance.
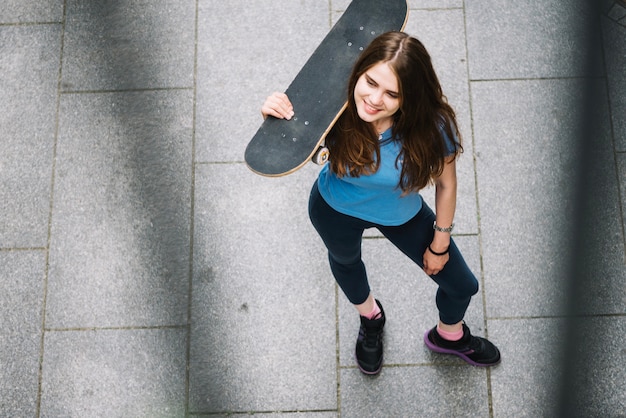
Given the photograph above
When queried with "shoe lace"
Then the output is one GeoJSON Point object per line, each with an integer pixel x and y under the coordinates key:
{"type": "Point", "coordinates": [371, 335]}
{"type": "Point", "coordinates": [477, 345]}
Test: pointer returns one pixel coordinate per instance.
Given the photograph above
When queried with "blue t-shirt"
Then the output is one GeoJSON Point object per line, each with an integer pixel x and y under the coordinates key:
{"type": "Point", "coordinates": [375, 197]}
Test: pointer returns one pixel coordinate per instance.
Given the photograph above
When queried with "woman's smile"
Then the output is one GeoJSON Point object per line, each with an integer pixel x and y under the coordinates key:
{"type": "Point", "coordinates": [371, 109]}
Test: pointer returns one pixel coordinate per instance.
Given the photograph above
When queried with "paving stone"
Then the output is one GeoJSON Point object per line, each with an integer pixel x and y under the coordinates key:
{"type": "Point", "coordinates": [21, 299]}
{"type": "Point", "coordinates": [138, 44]}
{"type": "Point", "coordinates": [408, 296]}
{"type": "Point", "coordinates": [121, 223]}
{"type": "Point", "coordinates": [23, 11]}
{"type": "Point", "coordinates": [600, 375]}
{"type": "Point", "coordinates": [602, 269]}
{"type": "Point", "coordinates": [527, 381]}
{"type": "Point", "coordinates": [29, 64]}
{"type": "Point", "coordinates": [524, 383]}
{"type": "Point", "coordinates": [114, 373]}
{"type": "Point", "coordinates": [524, 39]}
{"type": "Point", "coordinates": [444, 391]}
{"type": "Point", "coordinates": [525, 167]}
{"type": "Point", "coordinates": [265, 56]}
{"type": "Point", "coordinates": [263, 333]}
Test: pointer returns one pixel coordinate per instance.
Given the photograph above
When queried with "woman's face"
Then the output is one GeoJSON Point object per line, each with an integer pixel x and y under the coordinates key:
{"type": "Point", "coordinates": [377, 97]}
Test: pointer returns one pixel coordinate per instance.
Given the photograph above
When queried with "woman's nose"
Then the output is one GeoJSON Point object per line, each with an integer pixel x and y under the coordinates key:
{"type": "Point", "coordinates": [376, 97]}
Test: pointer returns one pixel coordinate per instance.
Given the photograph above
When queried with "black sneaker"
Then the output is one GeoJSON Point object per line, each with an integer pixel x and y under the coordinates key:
{"type": "Point", "coordinates": [477, 351]}
{"type": "Point", "coordinates": [369, 345]}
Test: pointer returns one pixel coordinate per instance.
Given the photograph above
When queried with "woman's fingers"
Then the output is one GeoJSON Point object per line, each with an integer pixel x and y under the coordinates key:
{"type": "Point", "coordinates": [278, 106]}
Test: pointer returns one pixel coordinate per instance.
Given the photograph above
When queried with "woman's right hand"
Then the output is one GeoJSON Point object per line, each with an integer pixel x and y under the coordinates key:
{"type": "Point", "coordinates": [278, 106]}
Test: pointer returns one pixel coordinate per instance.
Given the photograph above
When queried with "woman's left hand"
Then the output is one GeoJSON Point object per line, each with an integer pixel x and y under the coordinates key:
{"type": "Point", "coordinates": [433, 264]}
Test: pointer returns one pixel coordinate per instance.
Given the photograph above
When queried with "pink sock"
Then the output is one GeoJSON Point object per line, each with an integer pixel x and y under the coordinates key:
{"type": "Point", "coordinates": [450, 336]}
{"type": "Point", "coordinates": [374, 313]}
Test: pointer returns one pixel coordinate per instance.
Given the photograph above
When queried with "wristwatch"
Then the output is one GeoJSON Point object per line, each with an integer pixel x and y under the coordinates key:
{"type": "Point", "coordinates": [440, 229]}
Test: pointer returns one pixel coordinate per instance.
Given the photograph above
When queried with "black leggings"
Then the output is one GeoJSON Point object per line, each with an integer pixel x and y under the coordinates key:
{"type": "Point", "coordinates": [342, 235]}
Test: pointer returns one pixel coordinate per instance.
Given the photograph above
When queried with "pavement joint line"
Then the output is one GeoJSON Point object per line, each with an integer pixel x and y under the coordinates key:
{"type": "Point", "coordinates": [19, 249]}
{"type": "Point", "coordinates": [532, 317]}
{"type": "Point", "coordinates": [453, 362]}
{"type": "Point", "coordinates": [121, 328]}
{"type": "Point", "coordinates": [495, 80]}
{"type": "Point", "coordinates": [337, 348]}
{"type": "Point", "coordinates": [18, 24]}
{"type": "Point", "coordinates": [614, 146]}
{"type": "Point", "coordinates": [478, 211]}
{"type": "Point", "coordinates": [436, 9]}
{"type": "Point", "coordinates": [192, 220]}
{"type": "Point", "coordinates": [137, 90]}
{"type": "Point", "coordinates": [330, 13]}
{"type": "Point", "coordinates": [197, 163]}
{"type": "Point", "coordinates": [467, 234]}
{"type": "Point", "coordinates": [253, 412]}
{"type": "Point", "coordinates": [44, 300]}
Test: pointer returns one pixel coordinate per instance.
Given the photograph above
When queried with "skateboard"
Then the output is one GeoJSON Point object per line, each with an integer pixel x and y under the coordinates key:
{"type": "Point", "coordinates": [318, 93]}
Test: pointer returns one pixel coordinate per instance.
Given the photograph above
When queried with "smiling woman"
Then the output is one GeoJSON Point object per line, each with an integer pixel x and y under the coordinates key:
{"type": "Point", "coordinates": [397, 135]}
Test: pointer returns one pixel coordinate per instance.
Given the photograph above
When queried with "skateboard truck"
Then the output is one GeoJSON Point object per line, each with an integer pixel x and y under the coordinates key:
{"type": "Point", "coordinates": [321, 155]}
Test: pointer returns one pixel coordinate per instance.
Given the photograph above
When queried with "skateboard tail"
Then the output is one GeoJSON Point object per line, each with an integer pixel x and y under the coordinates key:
{"type": "Point", "coordinates": [263, 161]}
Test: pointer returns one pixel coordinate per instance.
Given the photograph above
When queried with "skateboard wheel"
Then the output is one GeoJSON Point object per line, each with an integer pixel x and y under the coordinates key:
{"type": "Point", "coordinates": [321, 156]}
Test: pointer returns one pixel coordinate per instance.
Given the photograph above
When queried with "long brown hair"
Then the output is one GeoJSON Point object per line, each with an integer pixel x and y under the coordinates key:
{"type": "Point", "coordinates": [423, 113]}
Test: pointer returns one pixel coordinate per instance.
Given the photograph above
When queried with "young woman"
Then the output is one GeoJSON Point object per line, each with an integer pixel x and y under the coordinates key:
{"type": "Point", "coordinates": [397, 135]}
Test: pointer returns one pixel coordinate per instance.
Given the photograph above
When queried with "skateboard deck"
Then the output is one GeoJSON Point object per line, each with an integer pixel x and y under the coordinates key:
{"type": "Point", "coordinates": [318, 93]}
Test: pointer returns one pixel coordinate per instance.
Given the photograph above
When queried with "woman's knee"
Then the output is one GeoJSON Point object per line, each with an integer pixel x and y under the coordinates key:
{"type": "Point", "coordinates": [465, 288]}
{"type": "Point", "coordinates": [471, 286]}
{"type": "Point", "coordinates": [459, 284]}
{"type": "Point", "coordinates": [345, 258]}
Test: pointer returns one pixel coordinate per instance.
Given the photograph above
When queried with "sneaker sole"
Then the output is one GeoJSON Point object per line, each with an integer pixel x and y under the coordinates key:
{"type": "Point", "coordinates": [367, 372]}
{"type": "Point", "coordinates": [441, 350]}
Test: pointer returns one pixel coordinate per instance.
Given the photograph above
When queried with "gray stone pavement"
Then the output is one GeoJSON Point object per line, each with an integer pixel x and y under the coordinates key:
{"type": "Point", "coordinates": [145, 272]}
